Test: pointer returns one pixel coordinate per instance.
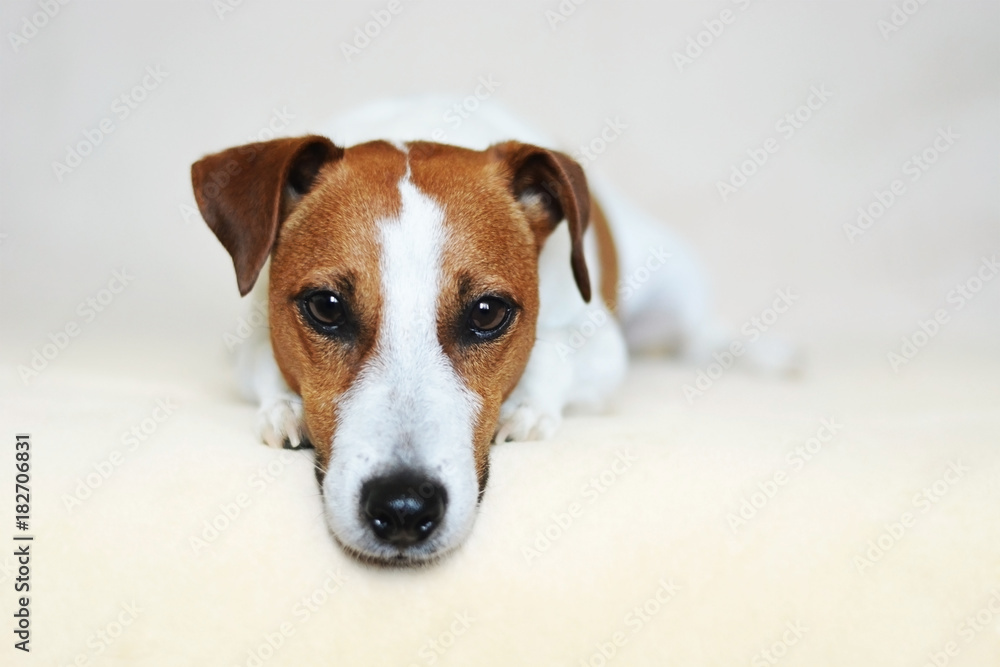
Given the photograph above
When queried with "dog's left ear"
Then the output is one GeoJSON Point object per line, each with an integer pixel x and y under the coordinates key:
{"type": "Point", "coordinates": [245, 193]}
{"type": "Point", "coordinates": [550, 186]}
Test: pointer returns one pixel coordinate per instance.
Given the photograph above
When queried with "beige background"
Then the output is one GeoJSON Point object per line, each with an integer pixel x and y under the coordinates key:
{"type": "Point", "coordinates": [127, 206]}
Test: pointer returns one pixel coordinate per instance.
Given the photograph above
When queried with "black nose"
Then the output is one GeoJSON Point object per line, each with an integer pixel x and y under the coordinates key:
{"type": "Point", "coordinates": [403, 508]}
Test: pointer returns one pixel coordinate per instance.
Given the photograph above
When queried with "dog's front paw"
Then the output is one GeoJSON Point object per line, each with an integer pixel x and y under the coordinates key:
{"type": "Point", "coordinates": [279, 422]}
{"type": "Point", "coordinates": [524, 421]}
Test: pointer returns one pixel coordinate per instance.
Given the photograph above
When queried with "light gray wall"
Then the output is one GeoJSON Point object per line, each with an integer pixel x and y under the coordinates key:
{"type": "Point", "coordinates": [890, 95]}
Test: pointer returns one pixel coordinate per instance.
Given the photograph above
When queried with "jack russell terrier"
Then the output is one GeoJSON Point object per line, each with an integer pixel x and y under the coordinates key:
{"type": "Point", "coordinates": [427, 299]}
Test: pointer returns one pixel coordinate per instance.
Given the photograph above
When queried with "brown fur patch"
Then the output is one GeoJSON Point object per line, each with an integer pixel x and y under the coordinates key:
{"type": "Point", "coordinates": [607, 255]}
{"type": "Point", "coordinates": [330, 241]}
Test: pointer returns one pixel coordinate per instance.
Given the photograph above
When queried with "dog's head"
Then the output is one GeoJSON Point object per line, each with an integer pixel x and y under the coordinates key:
{"type": "Point", "coordinates": [403, 300]}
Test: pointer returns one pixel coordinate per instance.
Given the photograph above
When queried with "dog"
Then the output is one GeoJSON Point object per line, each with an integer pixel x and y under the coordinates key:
{"type": "Point", "coordinates": [429, 292]}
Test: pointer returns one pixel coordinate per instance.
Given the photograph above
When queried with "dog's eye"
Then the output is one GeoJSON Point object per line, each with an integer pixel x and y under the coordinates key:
{"type": "Point", "coordinates": [324, 310]}
{"type": "Point", "coordinates": [488, 317]}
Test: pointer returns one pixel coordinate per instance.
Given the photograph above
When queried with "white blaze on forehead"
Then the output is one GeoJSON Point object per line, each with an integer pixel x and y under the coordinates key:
{"type": "Point", "coordinates": [408, 407]}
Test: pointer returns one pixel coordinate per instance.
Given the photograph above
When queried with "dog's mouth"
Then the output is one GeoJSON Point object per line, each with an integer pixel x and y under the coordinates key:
{"type": "Point", "coordinates": [398, 559]}
{"type": "Point", "coordinates": [378, 553]}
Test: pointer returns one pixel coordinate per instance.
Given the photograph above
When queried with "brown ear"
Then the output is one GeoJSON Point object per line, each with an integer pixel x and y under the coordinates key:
{"type": "Point", "coordinates": [551, 186]}
{"type": "Point", "coordinates": [244, 194]}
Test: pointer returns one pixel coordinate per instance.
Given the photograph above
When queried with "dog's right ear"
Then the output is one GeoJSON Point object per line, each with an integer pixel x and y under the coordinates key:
{"type": "Point", "coordinates": [245, 193]}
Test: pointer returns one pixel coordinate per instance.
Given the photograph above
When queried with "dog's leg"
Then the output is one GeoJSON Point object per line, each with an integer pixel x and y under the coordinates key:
{"type": "Point", "coordinates": [578, 365]}
{"type": "Point", "coordinates": [279, 415]}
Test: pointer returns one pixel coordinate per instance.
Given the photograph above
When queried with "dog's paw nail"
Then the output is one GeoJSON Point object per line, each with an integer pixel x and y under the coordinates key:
{"type": "Point", "coordinates": [271, 437]}
{"type": "Point", "coordinates": [502, 434]}
{"type": "Point", "coordinates": [291, 430]}
{"type": "Point", "coordinates": [280, 423]}
{"type": "Point", "coordinates": [544, 428]}
{"type": "Point", "coordinates": [527, 423]}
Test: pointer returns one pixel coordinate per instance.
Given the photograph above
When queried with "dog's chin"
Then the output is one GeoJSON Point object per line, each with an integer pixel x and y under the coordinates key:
{"type": "Point", "coordinates": [359, 543]}
{"type": "Point", "coordinates": [367, 549]}
{"type": "Point", "coordinates": [392, 558]}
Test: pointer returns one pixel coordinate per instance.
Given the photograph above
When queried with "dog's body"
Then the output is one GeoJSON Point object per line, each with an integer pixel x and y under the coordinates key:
{"type": "Point", "coordinates": [656, 289]}
{"type": "Point", "coordinates": [421, 304]}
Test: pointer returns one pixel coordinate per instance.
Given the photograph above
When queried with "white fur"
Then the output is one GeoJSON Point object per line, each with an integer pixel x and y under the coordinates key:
{"type": "Point", "coordinates": [279, 417]}
{"type": "Point", "coordinates": [579, 357]}
{"type": "Point", "coordinates": [408, 409]}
